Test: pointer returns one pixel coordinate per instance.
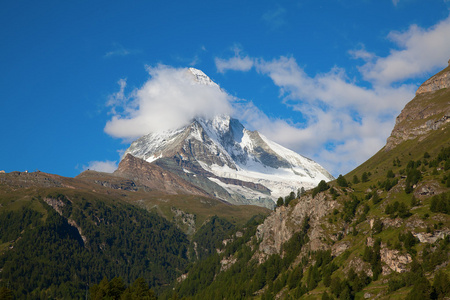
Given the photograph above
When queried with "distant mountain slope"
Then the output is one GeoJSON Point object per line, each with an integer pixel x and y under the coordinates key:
{"type": "Point", "coordinates": [155, 177]}
{"type": "Point", "coordinates": [247, 165]}
{"type": "Point", "coordinates": [57, 241]}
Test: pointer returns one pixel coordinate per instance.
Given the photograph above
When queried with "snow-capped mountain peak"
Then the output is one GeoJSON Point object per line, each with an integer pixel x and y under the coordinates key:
{"type": "Point", "coordinates": [227, 161]}
{"type": "Point", "coordinates": [200, 77]}
{"type": "Point", "coordinates": [241, 166]}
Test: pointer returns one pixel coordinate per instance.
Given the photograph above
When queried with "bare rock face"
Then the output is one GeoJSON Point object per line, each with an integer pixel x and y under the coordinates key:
{"type": "Point", "coordinates": [226, 263]}
{"type": "Point", "coordinates": [430, 238]}
{"type": "Point", "coordinates": [185, 221]}
{"type": "Point", "coordinates": [358, 265]}
{"type": "Point", "coordinates": [30, 179]}
{"type": "Point", "coordinates": [339, 248]}
{"type": "Point", "coordinates": [58, 205]}
{"type": "Point", "coordinates": [428, 111]}
{"type": "Point", "coordinates": [394, 260]}
{"type": "Point", "coordinates": [439, 81]}
{"type": "Point", "coordinates": [275, 231]}
{"type": "Point", "coordinates": [285, 221]}
{"type": "Point", "coordinates": [154, 177]}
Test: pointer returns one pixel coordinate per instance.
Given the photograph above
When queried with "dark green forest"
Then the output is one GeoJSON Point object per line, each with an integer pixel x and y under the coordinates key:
{"type": "Point", "coordinates": [50, 259]}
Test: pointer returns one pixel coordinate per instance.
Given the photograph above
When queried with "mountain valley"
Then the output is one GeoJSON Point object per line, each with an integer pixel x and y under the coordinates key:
{"type": "Point", "coordinates": [166, 225]}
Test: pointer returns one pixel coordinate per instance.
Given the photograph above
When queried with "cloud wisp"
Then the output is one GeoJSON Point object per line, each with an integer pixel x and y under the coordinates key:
{"type": "Point", "coordinates": [169, 99]}
{"type": "Point", "coordinates": [101, 166]}
{"type": "Point", "coordinates": [275, 18]}
{"type": "Point", "coordinates": [235, 63]}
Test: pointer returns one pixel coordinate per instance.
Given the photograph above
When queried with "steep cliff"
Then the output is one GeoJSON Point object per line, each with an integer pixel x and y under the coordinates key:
{"type": "Point", "coordinates": [428, 111]}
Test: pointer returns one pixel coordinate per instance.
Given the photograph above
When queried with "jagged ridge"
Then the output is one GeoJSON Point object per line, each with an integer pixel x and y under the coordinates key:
{"type": "Point", "coordinates": [244, 163]}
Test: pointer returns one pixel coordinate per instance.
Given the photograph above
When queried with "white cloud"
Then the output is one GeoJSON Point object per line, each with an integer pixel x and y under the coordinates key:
{"type": "Point", "coordinates": [346, 122]}
{"type": "Point", "coordinates": [235, 63]}
{"type": "Point", "coordinates": [395, 2]}
{"type": "Point", "coordinates": [169, 99]}
{"type": "Point", "coordinates": [420, 51]}
{"type": "Point", "coordinates": [101, 166]}
{"type": "Point", "coordinates": [275, 18]}
{"type": "Point", "coordinates": [362, 54]}
{"type": "Point", "coordinates": [118, 50]}
{"type": "Point", "coordinates": [339, 137]}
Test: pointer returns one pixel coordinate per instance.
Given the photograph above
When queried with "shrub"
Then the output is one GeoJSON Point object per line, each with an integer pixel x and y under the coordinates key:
{"type": "Point", "coordinates": [365, 177]}
{"type": "Point", "coordinates": [440, 203]}
{"type": "Point", "coordinates": [376, 198]}
{"type": "Point", "coordinates": [341, 181]}
{"type": "Point", "coordinates": [322, 186]}
{"type": "Point", "coordinates": [377, 226]}
{"type": "Point", "coordinates": [390, 174]}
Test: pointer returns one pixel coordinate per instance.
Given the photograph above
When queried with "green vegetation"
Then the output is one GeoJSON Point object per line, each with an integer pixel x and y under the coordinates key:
{"type": "Point", "coordinates": [322, 186]}
{"type": "Point", "coordinates": [116, 289]}
{"type": "Point", "coordinates": [397, 209]}
{"type": "Point", "coordinates": [61, 263]}
{"type": "Point", "coordinates": [210, 236]}
{"type": "Point", "coordinates": [341, 181]}
{"type": "Point", "coordinates": [440, 203]}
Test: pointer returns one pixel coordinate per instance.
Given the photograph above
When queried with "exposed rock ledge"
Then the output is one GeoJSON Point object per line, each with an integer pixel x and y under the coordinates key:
{"type": "Point", "coordinates": [437, 82]}
{"type": "Point", "coordinates": [394, 260]}
{"type": "Point", "coordinates": [428, 111]}
{"type": "Point", "coordinates": [58, 206]}
{"type": "Point", "coordinates": [284, 221]}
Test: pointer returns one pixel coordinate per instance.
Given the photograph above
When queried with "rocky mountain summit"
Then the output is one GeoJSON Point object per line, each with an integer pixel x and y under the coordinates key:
{"type": "Point", "coordinates": [439, 81]}
{"type": "Point", "coordinates": [428, 111]}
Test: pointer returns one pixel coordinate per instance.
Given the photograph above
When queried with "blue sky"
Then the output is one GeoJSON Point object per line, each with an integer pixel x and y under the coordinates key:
{"type": "Point", "coordinates": [324, 78]}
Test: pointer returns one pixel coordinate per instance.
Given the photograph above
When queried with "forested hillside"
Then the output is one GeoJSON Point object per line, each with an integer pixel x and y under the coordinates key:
{"type": "Point", "coordinates": [60, 255]}
{"type": "Point", "coordinates": [66, 238]}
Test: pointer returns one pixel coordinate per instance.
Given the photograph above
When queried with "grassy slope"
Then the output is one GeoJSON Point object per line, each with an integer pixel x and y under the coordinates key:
{"type": "Point", "coordinates": [14, 196]}
{"type": "Point", "coordinates": [378, 166]}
